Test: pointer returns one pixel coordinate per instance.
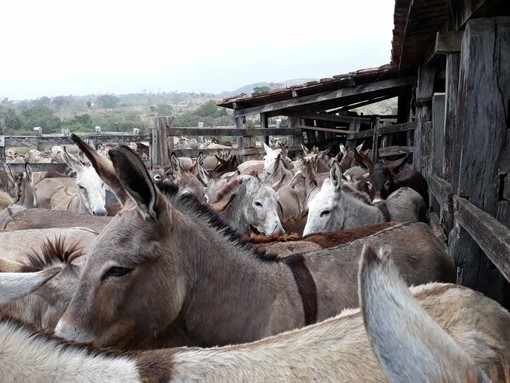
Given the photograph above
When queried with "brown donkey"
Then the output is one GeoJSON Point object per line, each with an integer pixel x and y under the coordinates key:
{"type": "Point", "coordinates": [167, 270]}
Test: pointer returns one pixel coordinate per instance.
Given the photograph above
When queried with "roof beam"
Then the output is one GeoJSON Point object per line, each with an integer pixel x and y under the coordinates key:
{"type": "Point", "coordinates": [365, 89]}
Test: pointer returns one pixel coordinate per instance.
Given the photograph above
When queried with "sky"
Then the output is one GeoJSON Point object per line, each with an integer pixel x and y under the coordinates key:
{"type": "Point", "coordinates": [60, 47]}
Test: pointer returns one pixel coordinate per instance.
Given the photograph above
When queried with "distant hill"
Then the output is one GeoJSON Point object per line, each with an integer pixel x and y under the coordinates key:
{"type": "Point", "coordinates": [246, 89]}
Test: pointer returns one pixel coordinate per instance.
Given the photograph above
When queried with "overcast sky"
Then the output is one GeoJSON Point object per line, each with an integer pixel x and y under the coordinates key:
{"type": "Point", "coordinates": [51, 48]}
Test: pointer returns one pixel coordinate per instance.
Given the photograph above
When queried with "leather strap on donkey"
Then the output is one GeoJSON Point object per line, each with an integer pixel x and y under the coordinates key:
{"type": "Point", "coordinates": [306, 286]}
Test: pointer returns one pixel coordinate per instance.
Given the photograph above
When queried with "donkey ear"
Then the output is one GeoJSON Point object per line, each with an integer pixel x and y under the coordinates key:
{"type": "Point", "coordinates": [175, 164]}
{"type": "Point", "coordinates": [17, 285]}
{"type": "Point", "coordinates": [135, 179]}
{"type": "Point", "coordinates": [335, 175]}
{"type": "Point", "coordinates": [71, 161]}
{"type": "Point", "coordinates": [104, 168]}
{"type": "Point", "coordinates": [28, 171]}
{"type": "Point", "coordinates": [396, 165]}
{"type": "Point", "coordinates": [406, 340]}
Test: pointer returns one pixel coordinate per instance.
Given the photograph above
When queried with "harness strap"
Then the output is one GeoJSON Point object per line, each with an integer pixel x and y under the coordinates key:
{"type": "Point", "coordinates": [306, 286]}
{"type": "Point", "coordinates": [384, 210]}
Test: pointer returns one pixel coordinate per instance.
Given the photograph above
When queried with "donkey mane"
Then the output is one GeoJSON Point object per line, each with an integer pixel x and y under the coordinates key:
{"type": "Point", "coordinates": [359, 195]}
{"type": "Point", "coordinates": [326, 239]}
{"type": "Point", "coordinates": [189, 203]}
{"type": "Point", "coordinates": [52, 252]}
{"type": "Point", "coordinates": [227, 188]}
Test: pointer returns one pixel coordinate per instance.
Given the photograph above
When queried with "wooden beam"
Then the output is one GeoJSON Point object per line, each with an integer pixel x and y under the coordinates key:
{"type": "Point", "coordinates": [46, 140]}
{"type": "Point", "coordinates": [426, 79]}
{"type": "Point", "coordinates": [193, 153]}
{"type": "Point", "coordinates": [230, 132]}
{"type": "Point", "coordinates": [395, 150]}
{"type": "Point", "coordinates": [331, 130]}
{"type": "Point", "coordinates": [37, 167]}
{"type": "Point", "coordinates": [397, 128]}
{"type": "Point", "coordinates": [440, 189]}
{"type": "Point", "coordinates": [365, 89]}
{"type": "Point", "coordinates": [468, 10]}
{"type": "Point", "coordinates": [448, 42]}
{"type": "Point", "coordinates": [491, 235]}
{"type": "Point", "coordinates": [330, 117]}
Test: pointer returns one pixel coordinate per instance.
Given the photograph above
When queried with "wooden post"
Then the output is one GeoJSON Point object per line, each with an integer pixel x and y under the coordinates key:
{"type": "Point", "coordinates": [240, 145]}
{"type": "Point", "coordinates": [375, 141]}
{"type": "Point", "coordinates": [437, 144]}
{"type": "Point", "coordinates": [451, 141]}
{"type": "Point", "coordinates": [481, 128]}
{"type": "Point", "coordinates": [159, 147]}
{"type": "Point", "coordinates": [264, 123]}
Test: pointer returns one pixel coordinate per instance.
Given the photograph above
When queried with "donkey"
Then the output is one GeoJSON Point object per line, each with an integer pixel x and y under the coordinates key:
{"type": "Point", "coordinates": [221, 289]}
{"type": "Point", "coordinates": [39, 218]}
{"type": "Point", "coordinates": [24, 186]}
{"type": "Point", "coordinates": [384, 179]}
{"type": "Point", "coordinates": [338, 206]}
{"type": "Point", "coordinates": [88, 196]}
{"type": "Point", "coordinates": [336, 349]}
{"type": "Point", "coordinates": [249, 205]}
{"type": "Point", "coordinates": [47, 303]}
{"type": "Point", "coordinates": [186, 177]}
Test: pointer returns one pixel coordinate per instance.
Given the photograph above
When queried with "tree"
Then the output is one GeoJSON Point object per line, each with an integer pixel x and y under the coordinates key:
{"type": "Point", "coordinates": [108, 101]}
{"type": "Point", "coordinates": [59, 102]}
{"type": "Point", "coordinates": [41, 116]}
{"type": "Point", "coordinates": [43, 101]}
{"type": "Point", "coordinates": [11, 120]}
{"type": "Point", "coordinates": [261, 89]}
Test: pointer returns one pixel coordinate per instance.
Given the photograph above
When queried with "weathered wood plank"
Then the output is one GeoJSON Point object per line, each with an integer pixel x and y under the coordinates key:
{"type": "Point", "coordinates": [490, 234]}
{"type": "Point", "coordinates": [481, 131]}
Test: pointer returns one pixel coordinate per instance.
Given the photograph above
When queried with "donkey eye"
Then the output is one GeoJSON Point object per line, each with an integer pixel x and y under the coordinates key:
{"type": "Point", "coordinates": [116, 272]}
{"type": "Point", "coordinates": [258, 204]}
{"type": "Point", "coordinates": [324, 213]}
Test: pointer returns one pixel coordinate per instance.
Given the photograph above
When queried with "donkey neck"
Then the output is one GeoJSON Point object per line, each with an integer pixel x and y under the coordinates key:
{"type": "Point", "coordinates": [357, 212]}
{"type": "Point", "coordinates": [26, 194]}
{"type": "Point", "coordinates": [235, 289]}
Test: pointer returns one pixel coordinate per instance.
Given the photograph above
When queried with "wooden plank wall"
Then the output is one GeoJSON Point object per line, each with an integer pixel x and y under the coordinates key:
{"type": "Point", "coordinates": [465, 156]}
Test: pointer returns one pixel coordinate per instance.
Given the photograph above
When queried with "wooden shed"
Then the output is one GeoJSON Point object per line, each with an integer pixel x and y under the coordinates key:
{"type": "Point", "coordinates": [450, 69]}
